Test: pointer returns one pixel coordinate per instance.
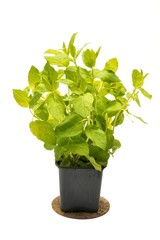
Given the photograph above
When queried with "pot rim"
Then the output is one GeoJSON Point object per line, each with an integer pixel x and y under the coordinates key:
{"type": "Point", "coordinates": [78, 167]}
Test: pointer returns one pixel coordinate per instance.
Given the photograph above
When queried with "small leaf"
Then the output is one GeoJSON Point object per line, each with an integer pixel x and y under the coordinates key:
{"type": "Point", "coordinates": [58, 152]}
{"type": "Point", "coordinates": [80, 50]}
{"type": "Point", "coordinates": [36, 96]}
{"type": "Point", "coordinates": [62, 141]}
{"type": "Point", "coordinates": [137, 78]}
{"type": "Point", "coordinates": [110, 139]}
{"type": "Point", "coordinates": [100, 104]}
{"type": "Point", "coordinates": [56, 107]}
{"type": "Point", "coordinates": [70, 127]}
{"type": "Point", "coordinates": [33, 76]}
{"type": "Point", "coordinates": [86, 75]}
{"type": "Point", "coordinates": [83, 105]}
{"type": "Point", "coordinates": [52, 51]}
{"type": "Point", "coordinates": [113, 107]}
{"type": "Point", "coordinates": [99, 155]}
{"type": "Point", "coordinates": [117, 89]}
{"type": "Point", "coordinates": [42, 113]}
{"type": "Point", "coordinates": [71, 73]}
{"type": "Point", "coordinates": [116, 145]}
{"type": "Point", "coordinates": [111, 65]}
{"type": "Point", "coordinates": [118, 120]}
{"type": "Point", "coordinates": [43, 131]}
{"type": "Point", "coordinates": [89, 58]}
{"type": "Point", "coordinates": [60, 59]}
{"type": "Point", "coordinates": [48, 146]}
{"type": "Point", "coordinates": [136, 99]}
{"type": "Point", "coordinates": [94, 163]}
{"type": "Point", "coordinates": [71, 47]}
{"type": "Point", "coordinates": [97, 136]}
{"type": "Point", "coordinates": [67, 82]}
{"type": "Point", "coordinates": [21, 97]}
{"type": "Point", "coordinates": [98, 51]}
{"type": "Point", "coordinates": [100, 122]}
{"type": "Point", "coordinates": [65, 162]}
{"type": "Point", "coordinates": [78, 147]}
{"type": "Point", "coordinates": [64, 48]}
{"type": "Point", "coordinates": [50, 75]}
{"type": "Point", "coordinates": [73, 51]}
{"type": "Point", "coordinates": [145, 93]}
{"type": "Point", "coordinates": [108, 76]}
{"type": "Point", "coordinates": [47, 83]}
{"type": "Point", "coordinates": [139, 118]}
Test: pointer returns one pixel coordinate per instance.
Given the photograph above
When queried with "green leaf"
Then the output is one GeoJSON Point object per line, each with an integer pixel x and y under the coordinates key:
{"type": "Point", "coordinates": [42, 113]}
{"type": "Point", "coordinates": [85, 75]}
{"type": "Point", "coordinates": [118, 120]}
{"type": "Point", "coordinates": [110, 139]}
{"type": "Point", "coordinates": [70, 127]}
{"type": "Point", "coordinates": [78, 146]}
{"type": "Point", "coordinates": [64, 48]}
{"type": "Point", "coordinates": [136, 99]}
{"type": "Point", "coordinates": [67, 82]}
{"type": "Point", "coordinates": [97, 136]}
{"type": "Point", "coordinates": [116, 145]}
{"type": "Point", "coordinates": [50, 76]}
{"type": "Point", "coordinates": [52, 51]}
{"type": "Point", "coordinates": [145, 93]}
{"type": "Point", "coordinates": [113, 107]}
{"type": "Point", "coordinates": [56, 107]}
{"type": "Point", "coordinates": [137, 78]}
{"type": "Point", "coordinates": [71, 73]}
{"type": "Point", "coordinates": [83, 105]}
{"type": "Point", "coordinates": [33, 76]}
{"type": "Point", "coordinates": [117, 89]}
{"type": "Point", "coordinates": [100, 104]}
{"type": "Point", "coordinates": [80, 50]}
{"type": "Point", "coordinates": [21, 97]}
{"type": "Point", "coordinates": [100, 122]}
{"type": "Point", "coordinates": [94, 163]}
{"type": "Point", "coordinates": [60, 59]}
{"type": "Point", "coordinates": [139, 118]}
{"type": "Point", "coordinates": [43, 131]}
{"type": "Point", "coordinates": [62, 141]}
{"type": "Point", "coordinates": [89, 58]}
{"type": "Point", "coordinates": [99, 155]}
{"type": "Point", "coordinates": [58, 152]}
{"type": "Point", "coordinates": [111, 65]}
{"type": "Point", "coordinates": [48, 146]}
{"type": "Point", "coordinates": [36, 96]}
{"type": "Point", "coordinates": [71, 47]}
{"type": "Point", "coordinates": [65, 162]}
{"type": "Point", "coordinates": [108, 76]}
{"type": "Point", "coordinates": [98, 51]}
{"type": "Point", "coordinates": [47, 83]}
{"type": "Point", "coordinates": [60, 73]}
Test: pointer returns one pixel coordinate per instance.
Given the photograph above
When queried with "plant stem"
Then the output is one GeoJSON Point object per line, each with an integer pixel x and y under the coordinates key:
{"type": "Point", "coordinates": [92, 75]}
{"type": "Point", "coordinates": [100, 86]}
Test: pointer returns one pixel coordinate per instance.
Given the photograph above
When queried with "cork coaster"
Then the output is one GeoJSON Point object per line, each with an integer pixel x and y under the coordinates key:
{"type": "Point", "coordinates": [103, 209]}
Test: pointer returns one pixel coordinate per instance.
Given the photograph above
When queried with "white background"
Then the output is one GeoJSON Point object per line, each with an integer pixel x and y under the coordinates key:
{"type": "Point", "coordinates": [128, 30]}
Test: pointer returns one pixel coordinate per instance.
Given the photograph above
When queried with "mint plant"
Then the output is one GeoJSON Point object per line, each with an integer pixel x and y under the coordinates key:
{"type": "Point", "coordinates": [79, 125]}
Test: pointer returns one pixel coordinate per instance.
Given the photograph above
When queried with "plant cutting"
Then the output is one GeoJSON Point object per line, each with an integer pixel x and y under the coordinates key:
{"type": "Point", "coordinates": [76, 108]}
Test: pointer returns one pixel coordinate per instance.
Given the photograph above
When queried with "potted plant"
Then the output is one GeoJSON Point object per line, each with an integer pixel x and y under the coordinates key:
{"type": "Point", "coordinates": [76, 109]}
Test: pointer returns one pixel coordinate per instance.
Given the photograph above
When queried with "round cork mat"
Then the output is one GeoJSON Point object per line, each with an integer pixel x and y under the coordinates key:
{"type": "Point", "coordinates": [103, 209]}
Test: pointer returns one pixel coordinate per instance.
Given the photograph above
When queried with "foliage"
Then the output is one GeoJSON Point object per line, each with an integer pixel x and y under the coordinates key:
{"type": "Point", "coordinates": [78, 125]}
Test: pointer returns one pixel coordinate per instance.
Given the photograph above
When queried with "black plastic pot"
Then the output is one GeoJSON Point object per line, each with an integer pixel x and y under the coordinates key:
{"type": "Point", "coordinates": [79, 189]}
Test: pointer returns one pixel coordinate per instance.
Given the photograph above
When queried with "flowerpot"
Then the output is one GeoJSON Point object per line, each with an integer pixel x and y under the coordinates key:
{"type": "Point", "coordinates": [79, 189]}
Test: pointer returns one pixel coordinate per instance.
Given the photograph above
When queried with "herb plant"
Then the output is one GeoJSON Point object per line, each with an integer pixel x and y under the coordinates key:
{"type": "Point", "coordinates": [78, 124]}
